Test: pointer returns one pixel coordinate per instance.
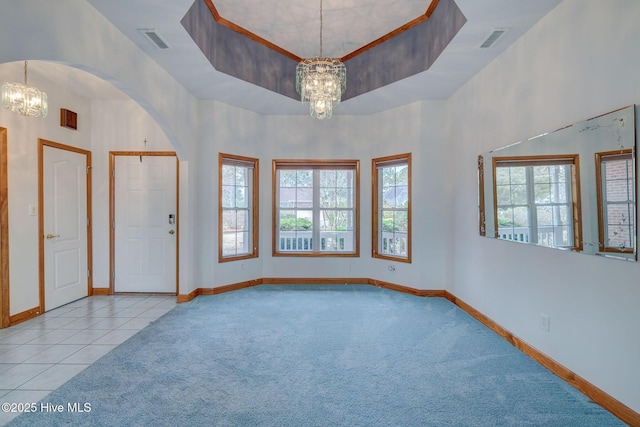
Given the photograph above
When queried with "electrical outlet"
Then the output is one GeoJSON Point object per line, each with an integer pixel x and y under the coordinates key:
{"type": "Point", "coordinates": [392, 268]}
{"type": "Point", "coordinates": [545, 322]}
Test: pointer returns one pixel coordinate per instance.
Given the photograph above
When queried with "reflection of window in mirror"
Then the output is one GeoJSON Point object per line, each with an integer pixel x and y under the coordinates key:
{"type": "Point", "coordinates": [538, 200]}
{"type": "Point", "coordinates": [391, 190]}
{"type": "Point", "coordinates": [616, 201]}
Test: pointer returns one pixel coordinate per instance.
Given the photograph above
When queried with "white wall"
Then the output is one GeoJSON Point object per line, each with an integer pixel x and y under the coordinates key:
{"type": "Point", "coordinates": [22, 158]}
{"type": "Point", "coordinates": [47, 31]}
{"type": "Point", "coordinates": [102, 126]}
{"type": "Point", "coordinates": [117, 126]}
{"type": "Point", "coordinates": [580, 61]}
{"type": "Point", "coordinates": [231, 130]}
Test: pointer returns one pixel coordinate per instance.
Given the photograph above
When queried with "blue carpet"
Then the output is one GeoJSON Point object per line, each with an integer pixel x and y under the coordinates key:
{"type": "Point", "coordinates": [319, 355]}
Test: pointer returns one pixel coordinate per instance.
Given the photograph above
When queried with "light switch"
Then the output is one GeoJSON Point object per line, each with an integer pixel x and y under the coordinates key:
{"type": "Point", "coordinates": [33, 210]}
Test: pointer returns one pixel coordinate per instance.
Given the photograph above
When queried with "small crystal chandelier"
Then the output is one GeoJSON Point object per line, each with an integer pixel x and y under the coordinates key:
{"type": "Point", "coordinates": [321, 82]}
{"type": "Point", "coordinates": [24, 100]}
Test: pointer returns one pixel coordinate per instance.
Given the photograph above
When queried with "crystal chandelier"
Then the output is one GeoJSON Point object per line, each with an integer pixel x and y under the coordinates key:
{"type": "Point", "coordinates": [24, 100]}
{"type": "Point", "coordinates": [321, 82]}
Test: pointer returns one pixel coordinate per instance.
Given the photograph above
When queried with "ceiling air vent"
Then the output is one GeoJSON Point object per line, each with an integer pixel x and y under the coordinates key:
{"type": "Point", "coordinates": [496, 33]}
{"type": "Point", "coordinates": [154, 38]}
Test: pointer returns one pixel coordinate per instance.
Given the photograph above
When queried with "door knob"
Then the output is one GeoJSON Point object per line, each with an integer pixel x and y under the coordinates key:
{"type": "Point", "coordinates": [171, 232]}
{"type": "Point", "coordinates": [52, 236]}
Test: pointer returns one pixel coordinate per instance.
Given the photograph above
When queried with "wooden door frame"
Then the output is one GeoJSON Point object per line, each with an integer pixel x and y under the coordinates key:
{"type": "Point", "coordinates": [112, 211]}
{"type": "Point", "coordinates": [45, 143]}
{"type": "Point", "coordinates": [4, 233]}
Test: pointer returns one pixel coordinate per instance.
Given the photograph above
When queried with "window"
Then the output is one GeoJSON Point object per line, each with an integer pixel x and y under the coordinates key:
{"type": "Point", "coordinates": [616, 201]}
{"type": "Point", "coordinates": [238, 207]}
{"type": "Point", "coordinates": [316, 207]}
{"type": "Point", "coordinates": [391, 211]}
{"type": "Point", "coordinates": [538, 200]}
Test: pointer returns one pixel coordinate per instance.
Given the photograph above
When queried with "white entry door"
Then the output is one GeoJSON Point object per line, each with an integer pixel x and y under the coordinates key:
{"type": "Point", "coordinates": [145, 224]}
{"type": "Point", "coordinates": [65, 226]}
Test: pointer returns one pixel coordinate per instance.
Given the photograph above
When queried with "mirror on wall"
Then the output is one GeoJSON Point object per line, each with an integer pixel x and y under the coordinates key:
{"type": "Point", "coordinates": [573, 188]}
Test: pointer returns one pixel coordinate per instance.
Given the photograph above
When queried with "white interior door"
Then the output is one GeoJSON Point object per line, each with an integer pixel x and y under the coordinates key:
{"type": "Point", "coordinates": [145, 224]}
{"type": "Point", "coordinates": [65, 226]}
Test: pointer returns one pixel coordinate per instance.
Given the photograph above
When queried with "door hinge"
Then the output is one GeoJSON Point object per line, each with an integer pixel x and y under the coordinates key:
{"type": "Point", "coordinates": [113, 275]}
{"type": "Point", "coordinates": [113, 173]}
{"type": "Point", "coordinates": [88, 222]}
{"type": "Point", "coordinates": [88, 169]}
{"type": "Point", "coordinates": [88, 273]}
{"type": "Point", "coordinates": [113, 224]}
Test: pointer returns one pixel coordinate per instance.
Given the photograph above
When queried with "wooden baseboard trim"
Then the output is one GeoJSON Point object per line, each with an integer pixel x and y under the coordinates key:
{"type": "Point", "coordinates": [314, 281]}
{"type": "Point", "coordinates": [218, 290]}
{"type": "Point", "coordinates": [614, 406]}
{"type": "Point", "coordinates": [24, 316]}
{"type": "Point", "coordinates": [101, 291]}
{"type": "Point", "coordinates": [229, 288]}
{"type": "Point", "coordinates": [611, 404]}
{"type": "Point", "coordinates": [146, 294]}
{"type": "Point", "coordinates": [407, 289]}
{"type": "Point", "coordinates": [188, 297]}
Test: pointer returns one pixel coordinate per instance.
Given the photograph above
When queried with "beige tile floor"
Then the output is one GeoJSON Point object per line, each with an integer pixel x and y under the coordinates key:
{"type": "Point", "coordinates": [41, 354]}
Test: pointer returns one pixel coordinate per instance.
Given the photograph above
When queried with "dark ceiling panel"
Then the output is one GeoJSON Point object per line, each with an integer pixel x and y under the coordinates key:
{"type": "Point", "coordinates": [232, 53]}
{"type": "Point", "coordinates": [410, 52]}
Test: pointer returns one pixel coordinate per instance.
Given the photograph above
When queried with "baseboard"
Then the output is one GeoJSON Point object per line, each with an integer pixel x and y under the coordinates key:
{"type": "Point", "coordinates": [315, 281]}
{"type": "Point", "coordinates": [230, 288]}
{"type": "Point", "coordinates": [188, 297]}
{"type": "Point", "coordinates": [407, 289]}
{"type": "Point", "coordinates": [612, 405]}
{"type": "Point", "coordinates": [24, 316]}
{"type": "Point", "coordinates": [101, 291]}
{"type": "Point", "coordinates": [217, 290]}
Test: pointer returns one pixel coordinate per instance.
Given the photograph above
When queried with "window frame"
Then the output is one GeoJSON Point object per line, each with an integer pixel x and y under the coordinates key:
{"type": "Point", "coordinates": [376, 241]}
{"type": "Point", "coordinates": [252, 163]}
{"type": "Point", "coordinates": [546, 160]}
{"type": "Point", "coordinates": [623, 154]}
{"type": "Point", "coordinates": [294, 164]}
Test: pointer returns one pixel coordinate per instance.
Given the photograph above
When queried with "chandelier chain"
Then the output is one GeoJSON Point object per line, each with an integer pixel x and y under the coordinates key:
{"type": "Point", "coordinates": [25, 73]}
{"type": "Point", "coordinates": [321, 81]}
{"type": "Point", "coordinates": [321, 29]}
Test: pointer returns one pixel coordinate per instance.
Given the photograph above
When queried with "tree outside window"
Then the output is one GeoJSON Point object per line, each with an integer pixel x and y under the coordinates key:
{"type": "Point", "coordinates": [392, 207]}
{"type": "Point", "coordinates": [537, 199]}
{"type": "Point", "coordinates": [315, 208]}
{"type": "Point", "coordinates": [238, 207]}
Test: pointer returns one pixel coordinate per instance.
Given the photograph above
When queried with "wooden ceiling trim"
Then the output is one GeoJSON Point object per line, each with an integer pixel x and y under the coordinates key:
{"type": "Point", "coordinates": [237, 52]}
{"type": "Point", "coordinates": [238, 29]}
{"type": "Point", "coordinates": [232, 26]}
{"type": "Point", "coordinates": [419, 20]}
